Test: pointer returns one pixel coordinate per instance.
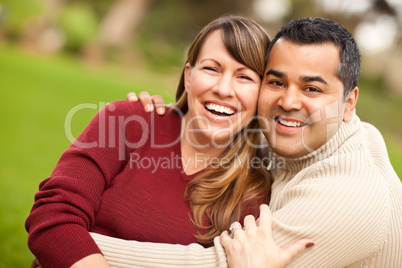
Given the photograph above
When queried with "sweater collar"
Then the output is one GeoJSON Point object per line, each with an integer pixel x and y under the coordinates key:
{"type": "Point", "coordinates": [324, 153]}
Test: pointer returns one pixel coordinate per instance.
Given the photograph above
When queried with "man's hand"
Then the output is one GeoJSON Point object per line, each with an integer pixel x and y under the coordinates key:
{"type": "Point", "coordinates": [35, 263]}
{"type": "Point", "coordinates": [253, 246]}
{"type": "Point", "coordinates": [148, 101]}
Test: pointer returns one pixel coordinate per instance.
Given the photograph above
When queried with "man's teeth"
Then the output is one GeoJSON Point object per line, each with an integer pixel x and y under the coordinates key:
{"type": "Point", "coordinates": [290, 123]}
{"type": "Point", "coordinates": [219, 108]}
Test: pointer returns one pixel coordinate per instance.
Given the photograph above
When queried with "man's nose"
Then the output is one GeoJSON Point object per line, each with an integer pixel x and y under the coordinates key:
{"type": "Point", "coordinates": [290, 99]}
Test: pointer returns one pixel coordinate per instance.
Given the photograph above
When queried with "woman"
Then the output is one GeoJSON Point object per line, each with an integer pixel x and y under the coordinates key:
{"type": "Point", "coordinates": [173, 179]}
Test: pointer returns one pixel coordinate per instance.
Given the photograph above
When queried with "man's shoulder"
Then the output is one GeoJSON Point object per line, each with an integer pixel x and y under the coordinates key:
{"type": "Point", "coordinates": [376, 151]}
{"type": "Point", "coordinates": [371, 132]}
{"type": "Point", "coordinates": [355, 175]}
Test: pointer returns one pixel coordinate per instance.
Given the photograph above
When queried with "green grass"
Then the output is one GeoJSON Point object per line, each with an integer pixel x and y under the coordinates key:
{"type": "Point", "coordinates": [384, 111]}
{"type": "Point", "coordinates": [37, 92]}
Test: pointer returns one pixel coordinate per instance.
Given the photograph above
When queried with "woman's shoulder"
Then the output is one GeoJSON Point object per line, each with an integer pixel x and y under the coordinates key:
{"type": "Point", "coordinates": [125, 108]}
{"type": "Point", "coordinates": [133, 116]}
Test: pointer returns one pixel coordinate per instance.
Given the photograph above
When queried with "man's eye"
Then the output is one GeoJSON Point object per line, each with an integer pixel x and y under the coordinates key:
{"type": "Point", "coordinates": [312, 89]}
{"type": "Point", "coordinates": [276, 83]}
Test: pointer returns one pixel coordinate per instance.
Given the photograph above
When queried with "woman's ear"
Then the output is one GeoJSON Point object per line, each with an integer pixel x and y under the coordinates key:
{"type": "Point", "coordinates": [351, 104]}
{"type": "Point", "coordinates": [187, 76]}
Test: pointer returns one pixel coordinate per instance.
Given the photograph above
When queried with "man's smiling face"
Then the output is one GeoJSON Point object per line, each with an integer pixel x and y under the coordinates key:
{"type": "Point", "coordinates": [301, 105]}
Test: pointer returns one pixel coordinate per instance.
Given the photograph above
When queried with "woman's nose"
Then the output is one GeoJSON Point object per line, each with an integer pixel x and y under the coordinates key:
{"type": "Point", "coordinates": [225, 86]}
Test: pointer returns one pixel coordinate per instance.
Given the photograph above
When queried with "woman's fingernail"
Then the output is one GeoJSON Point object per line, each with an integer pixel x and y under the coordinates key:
{"type": "Point", "coordinates": [160, 110]}
{"type": "Point", "coordinates": [308, 245]}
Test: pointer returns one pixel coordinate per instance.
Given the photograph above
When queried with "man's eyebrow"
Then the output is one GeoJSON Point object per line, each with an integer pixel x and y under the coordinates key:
{"type": "Point", "coordinates": [313, 79]}
{"type": "Point", "coordinates": [302, 78]}
{"type": "Point", "coordinates": [275, 73]}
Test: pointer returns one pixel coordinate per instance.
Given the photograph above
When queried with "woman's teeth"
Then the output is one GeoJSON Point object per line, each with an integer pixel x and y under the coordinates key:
{"type": "Point", "coordinates": [220, 109]}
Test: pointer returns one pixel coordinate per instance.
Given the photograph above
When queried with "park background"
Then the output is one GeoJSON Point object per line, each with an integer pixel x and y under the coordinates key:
{"type": "Point", "coordinates": [57, 54]}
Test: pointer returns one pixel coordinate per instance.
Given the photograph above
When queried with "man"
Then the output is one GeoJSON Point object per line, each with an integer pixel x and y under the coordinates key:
{"type": "Point", "coordinates": [337, 186]}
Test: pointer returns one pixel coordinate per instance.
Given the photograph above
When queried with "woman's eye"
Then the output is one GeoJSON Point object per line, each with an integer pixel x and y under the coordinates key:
{"type": "Point", "coordinates": [246, 77]}
{"type": "Point", "coordinates": [209, 68]}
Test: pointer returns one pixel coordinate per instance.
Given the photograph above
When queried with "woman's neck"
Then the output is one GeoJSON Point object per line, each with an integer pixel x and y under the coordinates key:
{"type": "Point", "coordinates": [197, 150]}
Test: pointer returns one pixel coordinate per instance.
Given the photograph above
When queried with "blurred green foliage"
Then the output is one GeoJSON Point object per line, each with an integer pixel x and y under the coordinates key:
{"type": "Point", "coordinates": [79, 23]}
{"type": "Point", "coordinates": [171, 25]}
{"type": "Point", "coordinates": [16, 14]}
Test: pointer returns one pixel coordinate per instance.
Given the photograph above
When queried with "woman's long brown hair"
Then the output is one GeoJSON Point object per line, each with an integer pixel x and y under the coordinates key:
{"type": "Point", "coordinates": [219, 195]}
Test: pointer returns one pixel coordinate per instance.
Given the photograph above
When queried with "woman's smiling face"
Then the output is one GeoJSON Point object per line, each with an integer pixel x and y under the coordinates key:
{"type": "Point", "coordinates": [222, 93]}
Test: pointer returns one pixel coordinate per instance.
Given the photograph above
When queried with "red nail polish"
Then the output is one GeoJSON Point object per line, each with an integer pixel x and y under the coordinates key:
{"type": "Point", "coordinates": [309, 244]}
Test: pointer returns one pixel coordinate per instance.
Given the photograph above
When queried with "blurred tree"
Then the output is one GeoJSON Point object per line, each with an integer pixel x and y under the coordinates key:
{"type": "Point", "coordinates": [161, 30]}
{"type": "Point", "coordinates": [377, 27]}
{"type": "Point", "coordinates": [117, 28]}
{"type": "Point", "coordinates": [182, 19]}
{"type": "Point", "coordinates": [42, 33]}
{"type": "Point", "coordinates": [170, 26]}
{"type": "Point", "coordinates": [118, 23]}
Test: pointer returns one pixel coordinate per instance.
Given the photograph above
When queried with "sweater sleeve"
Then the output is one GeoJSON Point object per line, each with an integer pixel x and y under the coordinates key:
{"type": "Point", "coordinates": [344, 227]}
{"type": "Point", "coordinates": [66, 203]}
{"type": "Point", "coordinates": [347, 216]}
{"type": "Point", "coordinates": [128, 253]}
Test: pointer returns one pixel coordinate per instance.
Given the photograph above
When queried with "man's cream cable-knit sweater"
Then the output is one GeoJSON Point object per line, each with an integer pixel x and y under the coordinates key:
{"type": "Point", "coordinates": [345, 196]}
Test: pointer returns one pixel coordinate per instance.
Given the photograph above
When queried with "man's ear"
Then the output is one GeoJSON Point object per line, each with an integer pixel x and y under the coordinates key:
{"type": "Point", "coordinates": [350, 104]}
{"type": "Point", "coordinates": [187, 76]}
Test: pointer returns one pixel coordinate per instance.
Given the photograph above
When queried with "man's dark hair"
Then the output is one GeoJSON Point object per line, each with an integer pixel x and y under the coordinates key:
{"type": "Point", "coordinates": [318, 31]}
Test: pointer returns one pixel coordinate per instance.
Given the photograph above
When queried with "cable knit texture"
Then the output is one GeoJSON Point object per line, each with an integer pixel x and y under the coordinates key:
{"type": "Point", "coordinates": [121, 253]}
{"type": "Point", "coordinates": [345, 196]}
